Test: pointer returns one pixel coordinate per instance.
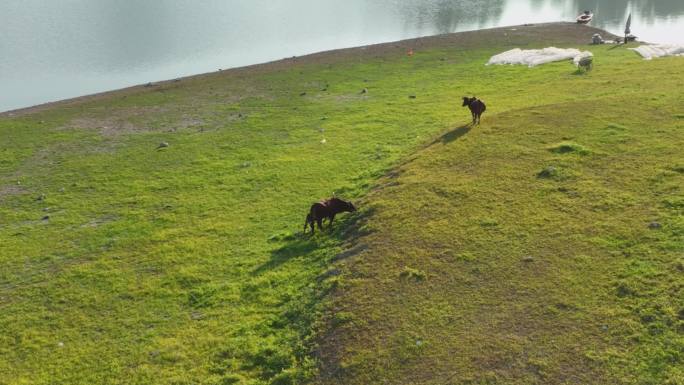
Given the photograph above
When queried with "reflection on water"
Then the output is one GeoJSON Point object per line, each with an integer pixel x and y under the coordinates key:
{"type": "Point", "coordinates": [443, 16]}
{"type": "Point", "coordinates": [57, 49]}
{"type": "Point", "coordinates": [653, 20]}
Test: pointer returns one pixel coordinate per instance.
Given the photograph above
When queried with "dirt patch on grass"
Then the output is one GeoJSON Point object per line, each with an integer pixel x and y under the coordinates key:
{"type": "Point", "coordinates": [106, 126]}
{"type": "Point", "coordinates": [350, 97]}
{"type": "Point", "coordinates": [189, 121]}
{"type": "Point", "coordinates": [97, 222]}
{"type": "Point", "coordinates": [11, 190]}
{"type": "Point", "coordinates": [121, 121]}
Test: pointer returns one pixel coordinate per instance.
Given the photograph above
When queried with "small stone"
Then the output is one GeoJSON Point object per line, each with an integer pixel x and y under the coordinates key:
{"type": "Point", "coordinates": [547, 172]}
{"type": "Point", "coordinates": [302, 94]}
{"type": "Point", "coordinates": [60, 344]}
{"type": "Point", "coordinates": [163, 145]}
{"type": "Point", "coordinates": [412, 96]}
{"type": "Point", "coordinates": [45, 218]}
{"type": "Point", "coordinates": [654, 225]}
{"type": "Point", "coordinates": [323, 141]}
{"type": "Point", "coordinates": [528, 258]}
{"type": "Point", "coordinates": [680, 266]}
{"type": "Point", "coordinates": [364, 91]}
{"type": "Point", "coordinates": [40, 197]}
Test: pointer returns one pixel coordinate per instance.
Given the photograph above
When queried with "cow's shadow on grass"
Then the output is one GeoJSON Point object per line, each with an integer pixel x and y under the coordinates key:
{"type": "Point", "coordinates": [346, 231]}
{"type": "Point", "coordinates": [453, 134]}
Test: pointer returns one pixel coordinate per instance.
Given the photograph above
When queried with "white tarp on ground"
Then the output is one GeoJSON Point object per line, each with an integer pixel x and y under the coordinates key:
{"type": "Point", "coordinates": [535, 57]}
{"type": "Point", "coordinates": [648, 52]}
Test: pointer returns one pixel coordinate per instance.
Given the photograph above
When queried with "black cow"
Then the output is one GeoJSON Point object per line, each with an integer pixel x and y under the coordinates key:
{"type": "Point", "coordinates": [477, 107]}
{"type": "Point", "coordinates": [326, 209]}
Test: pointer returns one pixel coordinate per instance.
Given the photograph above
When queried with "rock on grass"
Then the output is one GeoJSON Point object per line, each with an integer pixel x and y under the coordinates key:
{"type": "Point", "coordinates": [548, 172]}
{"type": "Point", "coordinates": [569, 147]}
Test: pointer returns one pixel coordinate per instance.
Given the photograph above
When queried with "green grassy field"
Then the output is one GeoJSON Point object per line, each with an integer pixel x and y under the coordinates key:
{"type": "Point", "coordinates": [127, 264]}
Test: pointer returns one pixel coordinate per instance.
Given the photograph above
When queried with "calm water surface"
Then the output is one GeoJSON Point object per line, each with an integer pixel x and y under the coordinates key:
{"type": "Point", "coordinates": [56, 49]}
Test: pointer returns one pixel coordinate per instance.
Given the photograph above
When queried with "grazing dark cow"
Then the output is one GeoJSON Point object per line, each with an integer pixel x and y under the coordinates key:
{"type": "Point", "coordinates": [326, 209]}
{"type": "Point", "coordinates": [586, 63]}
{"type": "Point", "coordinates": [477, 107]}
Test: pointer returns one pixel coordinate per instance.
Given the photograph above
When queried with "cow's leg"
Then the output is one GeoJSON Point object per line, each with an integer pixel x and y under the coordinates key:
{"type": "Point", "coordinates": [313, 228]}
{"type": "Point", "coordinates": [320, 223]}
{"type": "Point", "coordinates": [332, 218]}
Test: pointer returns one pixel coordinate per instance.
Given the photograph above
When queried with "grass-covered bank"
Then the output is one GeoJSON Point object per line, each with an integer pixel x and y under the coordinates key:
{"type": "Point", "coordinates": [544, 247]}
{"type": "Point", "coordinates": [535, 249]}
{"type": "Point", "coordinates": [183, 265]}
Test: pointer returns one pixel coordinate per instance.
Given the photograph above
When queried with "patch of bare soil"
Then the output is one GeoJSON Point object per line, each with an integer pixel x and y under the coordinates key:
{"type": "Point", "coordinates": [120, 121]}
{"type": "Point", "coordinates": [11, 190]}
{"type": "Point", "coordinates": [97, 222]}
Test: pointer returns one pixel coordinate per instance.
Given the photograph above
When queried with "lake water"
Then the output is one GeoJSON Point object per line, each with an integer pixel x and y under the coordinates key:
{"type": "Point", "coordinates": [56, 49]}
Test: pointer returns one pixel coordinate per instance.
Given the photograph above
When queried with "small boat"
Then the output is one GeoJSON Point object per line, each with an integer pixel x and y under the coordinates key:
{"type": "Point", "coordinates": [585, 17]}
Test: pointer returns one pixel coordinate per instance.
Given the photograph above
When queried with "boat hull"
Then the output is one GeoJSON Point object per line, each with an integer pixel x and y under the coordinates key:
{"type": "Point", "coordinates": [584, 19]}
